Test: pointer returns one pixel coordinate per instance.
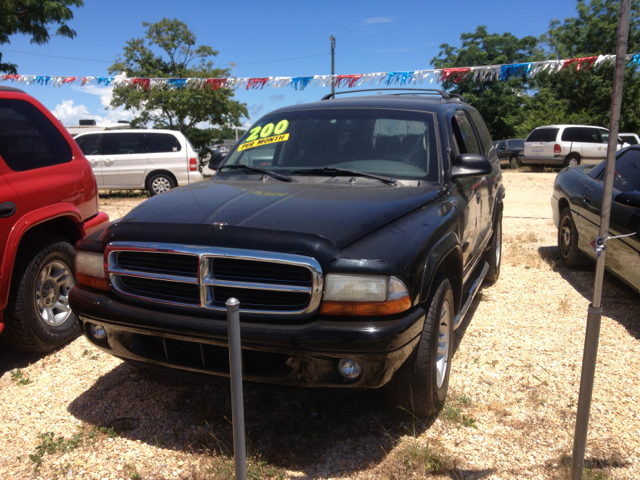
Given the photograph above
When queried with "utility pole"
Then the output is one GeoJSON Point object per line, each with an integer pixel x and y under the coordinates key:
{"type": "Point", "coordinates": [333, 63]}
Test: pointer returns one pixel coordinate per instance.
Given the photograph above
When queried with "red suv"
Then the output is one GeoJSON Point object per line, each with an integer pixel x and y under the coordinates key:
{"type": "Point", "coordinates": [48, 201]}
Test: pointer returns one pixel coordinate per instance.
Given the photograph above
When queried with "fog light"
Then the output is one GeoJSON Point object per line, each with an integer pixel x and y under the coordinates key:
{"type": "Point", "coordinates": [97, 332]}
{"type": "Point", "coordinates": [349, 369]}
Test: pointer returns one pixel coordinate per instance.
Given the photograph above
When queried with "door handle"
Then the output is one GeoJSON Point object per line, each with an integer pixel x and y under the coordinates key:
{"type": "Point", "coordinates": [586, 198]}
{"type": "Point", "coordinates": [7, 209]}
{"type": "Point", "coordinates": [108, 161]}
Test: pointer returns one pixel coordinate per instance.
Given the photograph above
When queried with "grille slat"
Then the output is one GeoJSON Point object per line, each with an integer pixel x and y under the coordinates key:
{"type": "Point", "coordinates": [185, 265]}
{"type": "Point", "coordinates": [205, 277]}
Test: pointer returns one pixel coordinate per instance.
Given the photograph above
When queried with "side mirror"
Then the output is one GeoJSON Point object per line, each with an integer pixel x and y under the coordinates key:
{"type": "Point", "coordinates": [470, 165]}
{"type": "Point", "coordinates": [216, 160]}
{"type": "Point", "coordinates": [628, 199]}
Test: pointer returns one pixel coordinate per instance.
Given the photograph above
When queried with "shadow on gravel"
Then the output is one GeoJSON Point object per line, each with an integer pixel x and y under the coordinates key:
{"type": "Point", "coordinates": [11, 359]}
{"type": "Point", "coordinates": [620, 302]}
{"type": "Point", "coordinates": [327, 434]}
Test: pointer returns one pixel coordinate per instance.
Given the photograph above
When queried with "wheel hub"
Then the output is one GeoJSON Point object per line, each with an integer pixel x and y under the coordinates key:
{"type": "Point", "coordinates": [52, 289]}
{"type": "Point", "coordinates": [443, 344]}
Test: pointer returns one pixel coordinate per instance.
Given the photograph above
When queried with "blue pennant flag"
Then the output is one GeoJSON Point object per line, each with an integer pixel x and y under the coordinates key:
{"type": "Point", "coordinates": [177, 82]}
{"type": "Point", "coordinates": [42, 80]}
{"type": "Point", "coordinates": [635, 60]}
{"type": "Point", "coordinates": [299, 83]}
{"type": "Point", "coordinates": [399, 77]}
{"type": "Point", "coordinates": [514, 70]}
{"type": "Point", "coordinates": [105, 80]}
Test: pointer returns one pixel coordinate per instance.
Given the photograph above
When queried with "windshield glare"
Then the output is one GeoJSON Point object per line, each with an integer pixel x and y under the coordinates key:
{"type": "Point", "coordinates": [399, 144]}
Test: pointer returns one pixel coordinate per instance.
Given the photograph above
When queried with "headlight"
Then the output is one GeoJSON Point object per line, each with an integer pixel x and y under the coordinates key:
{"type": "Point", "coordinates": [90, 269]}
{"type": "Point", "coordinates": [364, 295]}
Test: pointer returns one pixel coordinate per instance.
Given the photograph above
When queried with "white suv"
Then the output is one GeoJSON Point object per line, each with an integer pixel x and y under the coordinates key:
{"type": "Point", "coordinates": [155, 160]}
{"type": "Point", "coordinates": [566, 145]}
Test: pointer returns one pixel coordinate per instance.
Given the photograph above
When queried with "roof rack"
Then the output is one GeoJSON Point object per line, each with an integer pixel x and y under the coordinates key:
{"type": "Point", "coordinates": [432, 91]}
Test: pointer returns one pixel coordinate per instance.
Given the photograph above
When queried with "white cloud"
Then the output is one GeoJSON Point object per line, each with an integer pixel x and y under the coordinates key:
{"type": "Point", "coordinates": [70, 114]}
{"type": "Point", "coordinates": [105, 93]}
{"type": "Point", "coordinates": [276, 98]}
{"type": "Point", "coordinates": [372, 20]}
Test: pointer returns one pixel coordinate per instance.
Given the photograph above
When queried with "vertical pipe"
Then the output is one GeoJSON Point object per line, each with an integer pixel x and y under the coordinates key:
{"type": "Point", "coordinates": [237, 405]}
{"type": "Point", "coordinates": [594, 315]}
{"type": "Point", "coordinates": [333, 65]}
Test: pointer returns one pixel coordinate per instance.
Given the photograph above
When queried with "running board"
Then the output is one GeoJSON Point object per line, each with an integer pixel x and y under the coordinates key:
{"type": "Point", "coordinates": [475, 286]}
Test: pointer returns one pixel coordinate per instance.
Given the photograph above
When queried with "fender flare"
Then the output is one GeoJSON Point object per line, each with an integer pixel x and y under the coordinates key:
{"type": "Point", "coordinates": [28, 221]}
{"type": "Point", "coordinates": [441, 250]}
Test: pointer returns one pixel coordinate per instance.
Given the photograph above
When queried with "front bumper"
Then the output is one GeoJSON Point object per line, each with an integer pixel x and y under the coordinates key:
{"type": "Point", "coordinates": [298, 355]}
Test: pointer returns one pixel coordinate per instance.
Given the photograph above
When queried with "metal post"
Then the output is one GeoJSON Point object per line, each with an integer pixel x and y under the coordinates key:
{"type": "Point", "coordinates": [237, 405]}
{"type": "Point", "coordinates": [594, 315]}
{"type": "Point", "coordinates": [333, 64]}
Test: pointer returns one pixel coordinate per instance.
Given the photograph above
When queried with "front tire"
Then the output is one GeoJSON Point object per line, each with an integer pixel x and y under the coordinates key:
{"type": "Point", "coordinates": [160, 183]}
{"type": "Point", "coordinates": [514, 162]}
{"type": "Point", "coordinates": [422, 384]}
{"type": "Point", "coordinates": [38, 316]}
{"type": "Point", "coordinates": [570, 254]}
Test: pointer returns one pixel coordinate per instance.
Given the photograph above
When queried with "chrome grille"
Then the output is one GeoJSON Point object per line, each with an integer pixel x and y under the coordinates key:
{"type": "Point", "coordinates": [205, 277]}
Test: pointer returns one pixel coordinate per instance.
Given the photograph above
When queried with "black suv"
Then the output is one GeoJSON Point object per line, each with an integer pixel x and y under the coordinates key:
{"type": "Point", "coordinates": [509, 151]}
{"type": "Point", "coordinates": [355, 233]}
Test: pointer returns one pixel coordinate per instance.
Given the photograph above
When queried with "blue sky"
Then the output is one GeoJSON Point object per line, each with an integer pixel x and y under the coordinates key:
{"type": "Point", "coordinates": [261, 37]}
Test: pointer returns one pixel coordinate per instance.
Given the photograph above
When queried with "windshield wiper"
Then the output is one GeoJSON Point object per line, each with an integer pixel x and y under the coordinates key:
{"type": "Point", "coordinates": [271, 173]}
{"type": "Point", "coordinates": [342, 171]}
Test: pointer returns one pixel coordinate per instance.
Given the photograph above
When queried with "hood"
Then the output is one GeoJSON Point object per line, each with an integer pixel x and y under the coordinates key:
{"type": "Point", "coordinates": [335, 210]}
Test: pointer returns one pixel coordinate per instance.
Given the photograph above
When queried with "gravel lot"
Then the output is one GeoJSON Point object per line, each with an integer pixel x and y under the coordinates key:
{"type": "Point", "coordinates": [79, 413]}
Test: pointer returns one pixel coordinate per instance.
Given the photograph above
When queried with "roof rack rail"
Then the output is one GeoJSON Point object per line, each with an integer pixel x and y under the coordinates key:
{"type": "Point", "coordinates": [442, 93]}
{"type": "Point", "coordinates": [459, 97]}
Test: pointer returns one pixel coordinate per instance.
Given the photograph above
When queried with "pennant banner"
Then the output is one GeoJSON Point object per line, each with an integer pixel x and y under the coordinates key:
{"type": "Point", "coordinates": [478, 74]}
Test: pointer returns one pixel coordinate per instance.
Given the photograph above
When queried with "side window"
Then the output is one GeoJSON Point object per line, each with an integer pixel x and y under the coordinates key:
{"type": "Point", "coordinates": [591, 135]}
{"type": "Point", "coordinates": [122, 143]}
{"type": "Point", "coordinates": [162, 143]}
{"type": "Point", "coordinates": [627, 173]}
{"type": "Point", "coordinates": [467, 141]}
{"type": "Point", "coordinates": [28, 139]}
{"type": "Point", "coordinates": [483, 131]}
{"type": "Point", "coordinates": [501, 145]}
{"type": "Point", "coordinates": [89, 144]}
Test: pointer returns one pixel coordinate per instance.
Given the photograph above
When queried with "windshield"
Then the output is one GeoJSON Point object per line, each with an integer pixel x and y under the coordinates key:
{"type": "Point", "coordinates": [399, 144]}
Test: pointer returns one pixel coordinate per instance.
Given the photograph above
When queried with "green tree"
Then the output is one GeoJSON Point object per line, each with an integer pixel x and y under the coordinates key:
{"type": "Point", "coordinates": [586, 94]}
{"type": "Point", "coordinates": [499, 102]}
{"type": "Point", "coordinates": [180, 109]}
{"type": "Point", "coordinates": [32, 17]}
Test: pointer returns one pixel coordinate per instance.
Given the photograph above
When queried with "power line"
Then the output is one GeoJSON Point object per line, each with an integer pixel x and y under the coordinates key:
{"type": "Point", "coordinates": [109, 61]}
{"type": "Point", "coordinates": [56, 56]}
{"type": "Point", "coordinates": [283, 60]}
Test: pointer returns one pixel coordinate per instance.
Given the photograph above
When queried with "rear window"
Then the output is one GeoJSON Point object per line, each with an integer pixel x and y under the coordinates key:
{"type": "Point", "coordinates": [483, 131]}
{"type": "Point", "coordinates": [543, 135]}
{"type": "Point", "coordinates": [28, 139]}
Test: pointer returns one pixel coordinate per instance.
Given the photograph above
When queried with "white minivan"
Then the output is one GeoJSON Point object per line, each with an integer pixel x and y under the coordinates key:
{"type": "Point", "coordinates": [155, 160]}
{"type": "Point", "coordinates": [566, 145]}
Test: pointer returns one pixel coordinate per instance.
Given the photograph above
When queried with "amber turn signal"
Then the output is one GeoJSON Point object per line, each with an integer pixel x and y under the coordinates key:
{"type": "Point", "coordinates": [93, 282]}
{"type": "Point", "coordinates": [373, 309]}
